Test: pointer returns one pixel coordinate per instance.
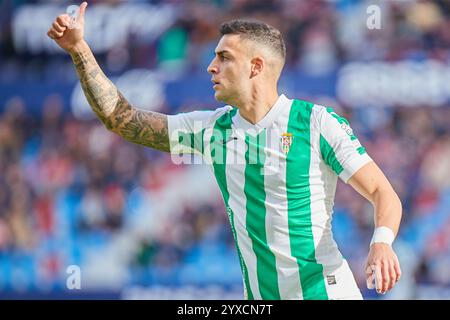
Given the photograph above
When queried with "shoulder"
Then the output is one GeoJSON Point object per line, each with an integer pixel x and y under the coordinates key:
{"type": "Point", "coordinates": [224, 115]}
{"type": "Point", "coordinates": [215, 114]}
{"type": "Point", "coordinates": [326, 114]}
{"type": "Point", "coordinates": [200, 118]}
{"type": "Point", "coordinates": [313, 108]}
{"type": "Point", "coordinates": [318, 111]}
{"type": "Point", "coordinates": [309, 110]}
{"type": "Point", "coordinates": [323, 118]}
{"type": "Point", "coordinates": [225, 110]}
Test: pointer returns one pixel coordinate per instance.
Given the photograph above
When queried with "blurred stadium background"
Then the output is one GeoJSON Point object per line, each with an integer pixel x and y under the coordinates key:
{"type": "Point", "coordinates": [139, 226]}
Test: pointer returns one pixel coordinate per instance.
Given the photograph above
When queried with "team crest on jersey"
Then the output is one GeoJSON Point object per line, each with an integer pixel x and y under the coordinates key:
{"type": "Point", "coordinates": [286, 142]}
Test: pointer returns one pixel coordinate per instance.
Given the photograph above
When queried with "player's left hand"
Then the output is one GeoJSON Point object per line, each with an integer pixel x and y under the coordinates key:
{"type": "Point", "coordinates": [382, 265]}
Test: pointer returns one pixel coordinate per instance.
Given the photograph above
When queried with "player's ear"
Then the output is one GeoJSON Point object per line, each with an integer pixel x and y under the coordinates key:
{"type": "Point", "coordinates": [258, 64]}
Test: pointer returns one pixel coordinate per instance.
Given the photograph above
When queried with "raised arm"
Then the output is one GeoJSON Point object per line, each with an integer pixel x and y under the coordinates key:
{"type": "Point", "coordinates": [142, 127]}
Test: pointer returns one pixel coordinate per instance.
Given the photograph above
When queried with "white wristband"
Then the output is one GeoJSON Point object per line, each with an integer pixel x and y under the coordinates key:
{"type": "Point", "coordinates": [383, 235]}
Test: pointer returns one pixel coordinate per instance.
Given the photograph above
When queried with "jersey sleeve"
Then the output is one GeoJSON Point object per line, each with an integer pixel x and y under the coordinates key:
{"type": "Point", "coordinates": [339, 147]}
{"type": "Point", "coordinates": [187, 130]}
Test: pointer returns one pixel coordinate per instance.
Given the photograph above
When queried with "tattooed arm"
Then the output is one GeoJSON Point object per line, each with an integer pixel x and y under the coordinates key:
{"type": "Point", "coordinates": [143, 127]}
{"type": "Point", "coordinates": [138, 126]}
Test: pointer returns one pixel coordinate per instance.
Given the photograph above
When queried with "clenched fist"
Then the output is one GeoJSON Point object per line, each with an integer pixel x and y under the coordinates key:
{"type": "Point", "coordinates": [63, 32]}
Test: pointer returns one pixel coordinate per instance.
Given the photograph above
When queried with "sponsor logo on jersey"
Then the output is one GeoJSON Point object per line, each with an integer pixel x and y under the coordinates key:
{"type": "Point", "coordinates": [347, 129]}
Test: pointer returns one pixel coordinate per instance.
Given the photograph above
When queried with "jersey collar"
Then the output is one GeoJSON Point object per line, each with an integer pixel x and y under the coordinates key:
{"type": "Point", "coordinates": [280, 105]}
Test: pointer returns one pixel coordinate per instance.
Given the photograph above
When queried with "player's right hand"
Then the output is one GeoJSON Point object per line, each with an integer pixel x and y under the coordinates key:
{"type": "Point", "coordinates": [65, 36]}
{"type": "Point", "coordinates": [382, 267]}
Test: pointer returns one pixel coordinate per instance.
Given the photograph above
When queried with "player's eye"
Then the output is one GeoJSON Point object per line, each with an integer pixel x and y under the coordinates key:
{"type": "Point", "coordinates": [223, 58]}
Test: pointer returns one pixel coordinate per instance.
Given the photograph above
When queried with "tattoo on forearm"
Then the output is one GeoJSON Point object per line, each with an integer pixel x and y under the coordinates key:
{"type": "Point", "coordinates": [138, 126]}
{"type": "Point", "coordinates": [99, 90]}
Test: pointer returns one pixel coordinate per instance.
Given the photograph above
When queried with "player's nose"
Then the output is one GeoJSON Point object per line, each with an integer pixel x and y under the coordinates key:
{"type": "Point", "coordinates": [212, 68]}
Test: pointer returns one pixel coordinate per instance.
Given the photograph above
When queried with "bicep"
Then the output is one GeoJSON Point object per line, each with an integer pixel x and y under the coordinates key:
{"type": "Point", "coordinates": [143, 127]}
{"type": "Point", "coordinates": [368, 180]}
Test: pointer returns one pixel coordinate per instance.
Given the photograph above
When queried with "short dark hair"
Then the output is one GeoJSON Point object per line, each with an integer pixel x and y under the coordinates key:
{"type": "Point", "coordinates": [257, 31]}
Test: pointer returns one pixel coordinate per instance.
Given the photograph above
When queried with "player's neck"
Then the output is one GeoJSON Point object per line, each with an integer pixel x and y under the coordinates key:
{"type": "Point", "coordinates": [258, 105]}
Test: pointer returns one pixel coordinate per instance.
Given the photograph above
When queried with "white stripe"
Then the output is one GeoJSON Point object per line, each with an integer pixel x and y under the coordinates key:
{"type": "Point", "coordinates": [322, 187]}
{"type": "Point", "coordinates": [207, 147]}
{"type": "Point", "coordinates": [235, 172]}
{"type": "Point", "coordinates": [277, 226]}
{"type": "Point", "coordinates": [320, 217]}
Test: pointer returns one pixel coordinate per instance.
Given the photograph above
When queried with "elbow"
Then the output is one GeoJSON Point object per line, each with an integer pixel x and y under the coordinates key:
{"type": "Point", "coordinates": [388, 197]}
{"type": "Point", "coordinates": [396, 200]}
{"type": "Point", "coordinates": [109, 124]}
{"type": "Point", "coordinates": [400, 205]}
{"type": "Point", "coordinates": [107, 121]}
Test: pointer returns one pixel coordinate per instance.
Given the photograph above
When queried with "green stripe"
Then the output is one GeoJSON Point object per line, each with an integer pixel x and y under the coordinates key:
{"type": "Point", "coordinates": [361, 150]}
{"type": "Point", "coordinates": [256, 216]}
{"type": "Point", "coordinates": [341, 121]}
{"type": "Point", "coordinates": [299, 202]}
{"type": "Point", "coordinates": [329, 156]}
{"type": "Point", "coordinates": [192, 140]}
{"type": "Point", "coordinates": [219, 154]}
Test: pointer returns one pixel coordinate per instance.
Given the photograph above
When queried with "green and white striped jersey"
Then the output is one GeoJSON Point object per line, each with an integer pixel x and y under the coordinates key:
{"type": "Point", "coordinates": [278, 180]}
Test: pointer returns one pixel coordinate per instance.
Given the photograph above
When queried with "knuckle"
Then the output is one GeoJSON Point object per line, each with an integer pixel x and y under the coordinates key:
{"type": "Point", "coordinates": [61, 19]}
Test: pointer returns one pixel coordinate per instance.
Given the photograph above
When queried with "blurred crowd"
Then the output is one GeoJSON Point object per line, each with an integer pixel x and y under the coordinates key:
{"type": "Point", "coordinates": [70, 187]}
{"type": "Point", "coordinates": [319, 34]}
{"type": "Point", "coordinates": [73, 193]}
